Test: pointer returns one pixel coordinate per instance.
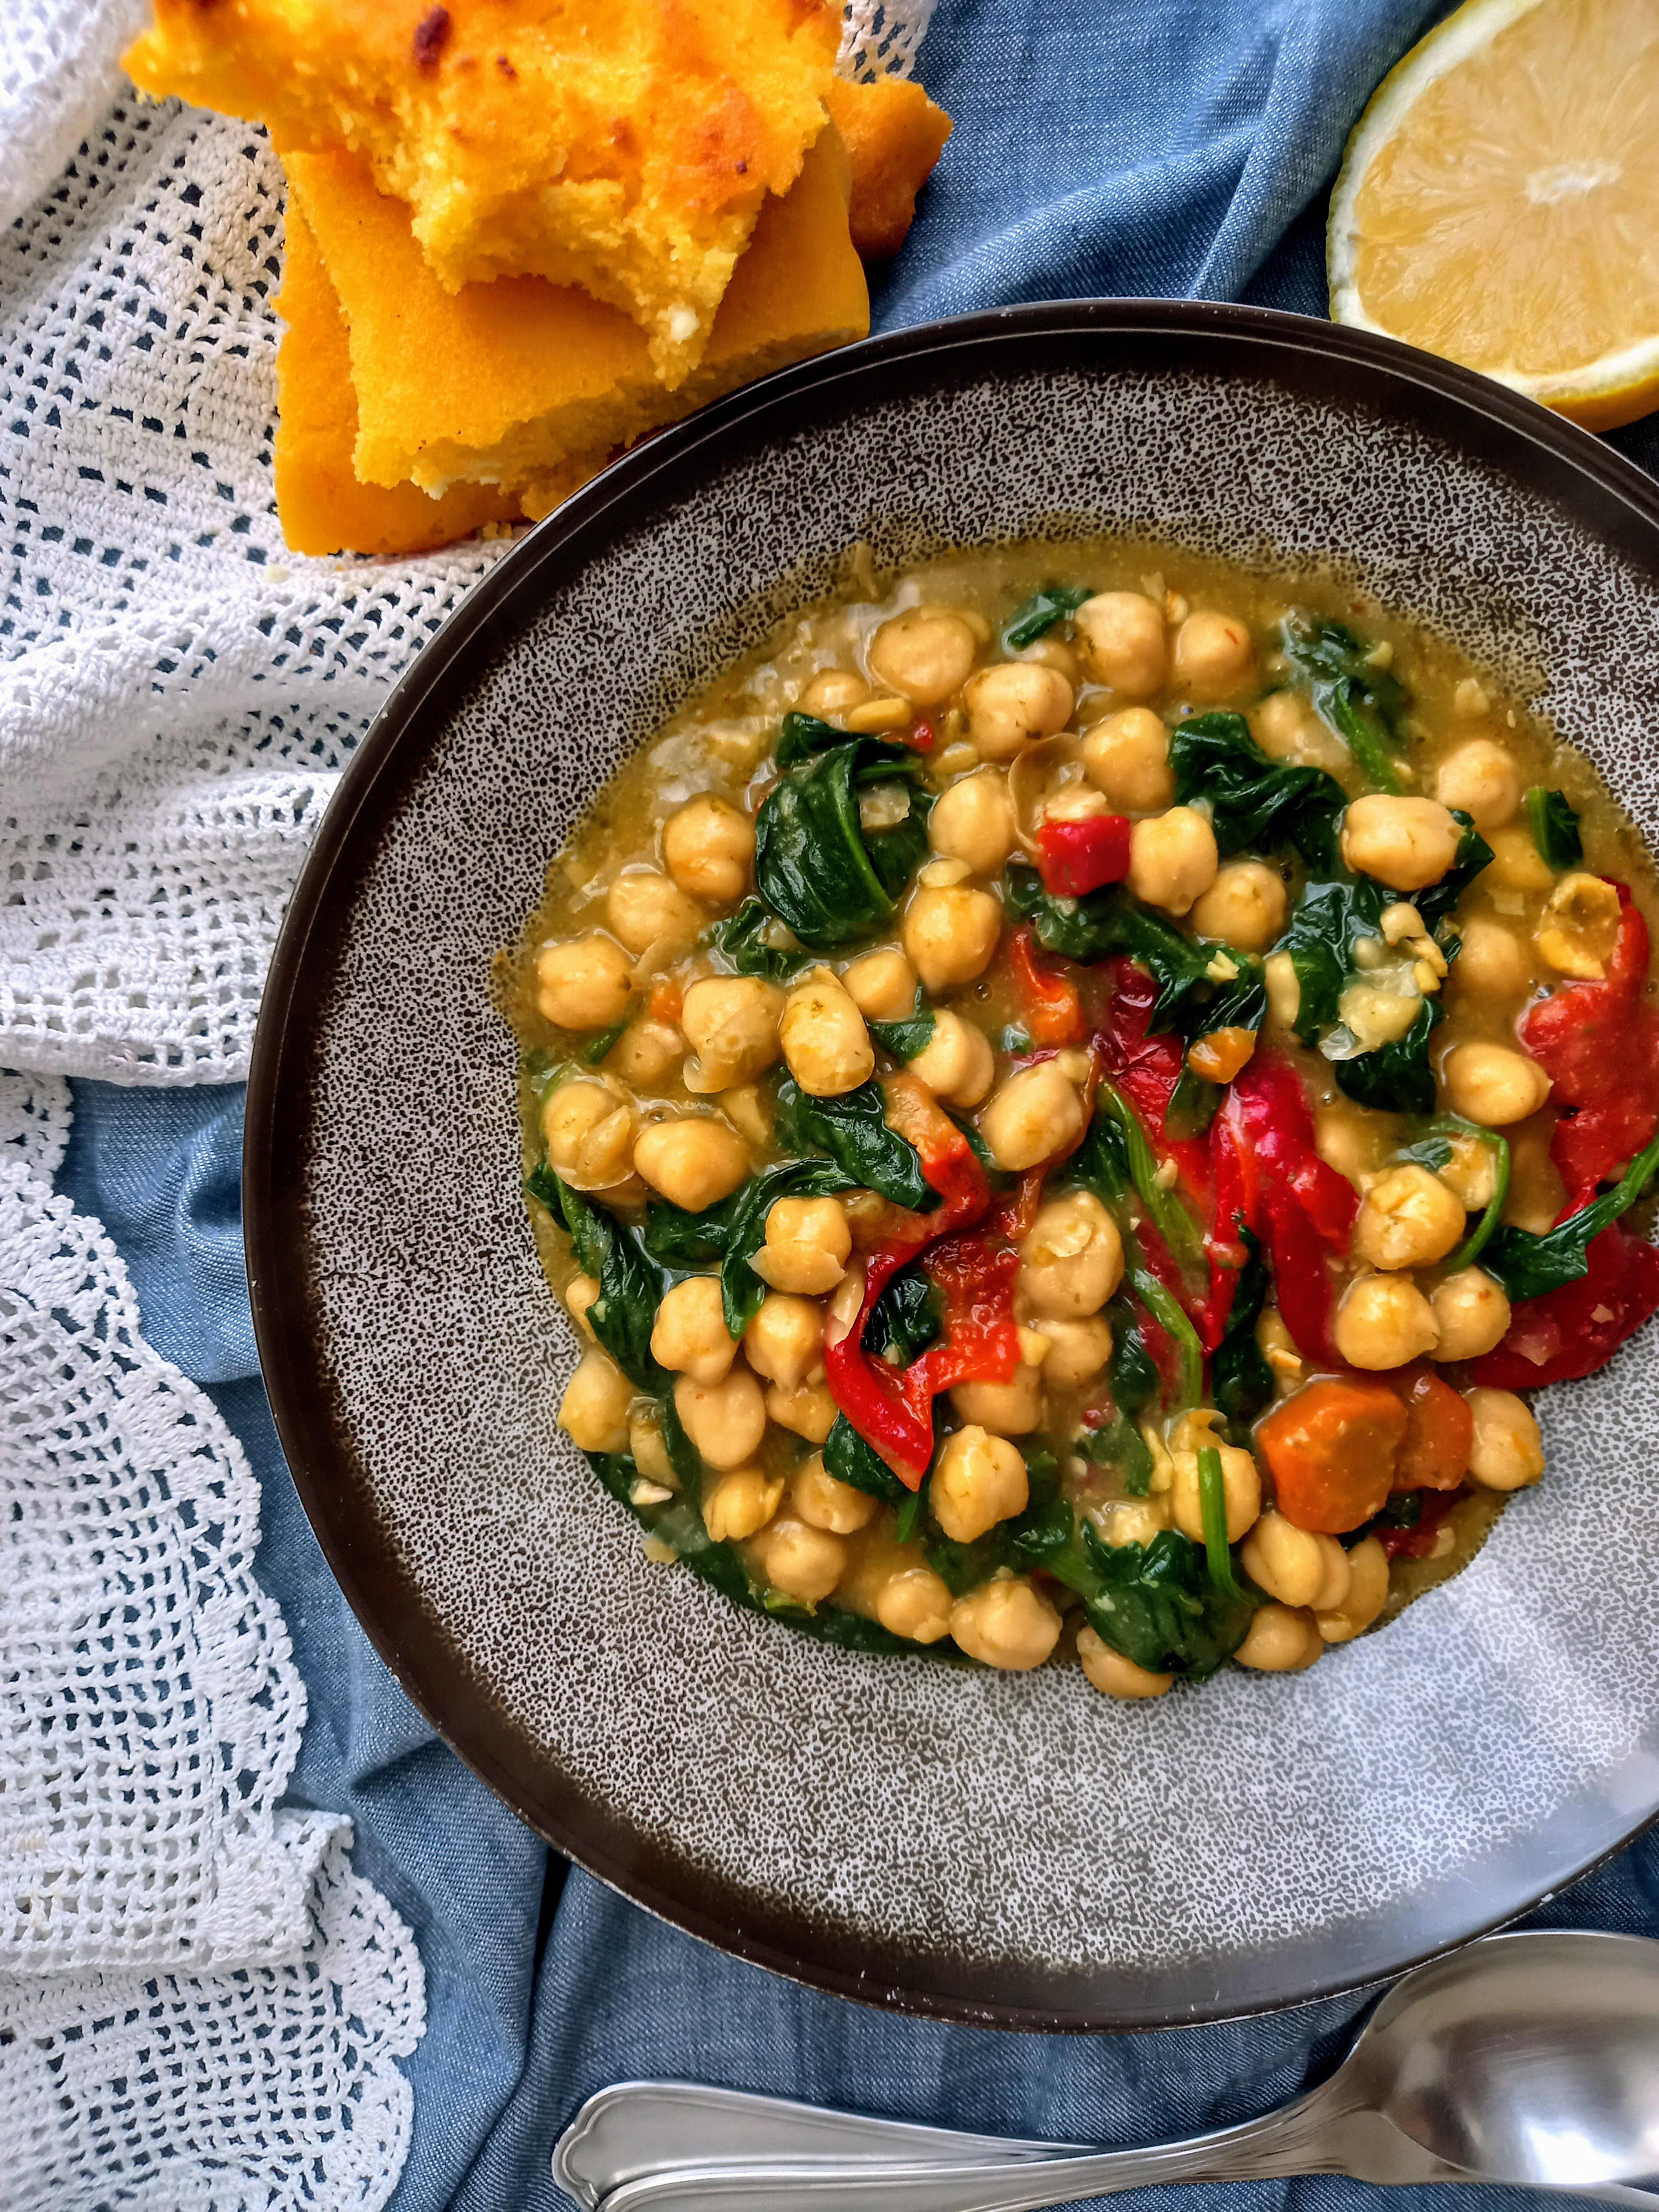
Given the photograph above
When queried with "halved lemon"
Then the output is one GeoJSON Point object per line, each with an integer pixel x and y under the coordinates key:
{"type": "Point", "coordinates": [1498, 203]}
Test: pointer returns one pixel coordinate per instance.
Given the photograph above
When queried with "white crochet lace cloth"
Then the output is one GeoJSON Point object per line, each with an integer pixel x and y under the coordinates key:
{"type": "Point", "coordinates": [177, 693]}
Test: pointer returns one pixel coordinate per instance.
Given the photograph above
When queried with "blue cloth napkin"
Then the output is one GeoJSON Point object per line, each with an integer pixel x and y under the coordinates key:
{"type": "Point", "coordinates": [1122, 147]}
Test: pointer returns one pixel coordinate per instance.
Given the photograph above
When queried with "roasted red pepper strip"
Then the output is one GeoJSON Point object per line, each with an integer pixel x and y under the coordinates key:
{"type": "Point", "coordinates": [1147, 1070]}
{"type": "Point", "coordinates": [1049, 1002]}
{"type": "Point", "coordinates": [1574, 1331]}
{"type": "Point", "coordinates": [1599, 1044]}
{"type": "Point", "coordinates": [1306, 1208]}
{"type": "Point", "coordinates": [1235, 1199]}
{"type": "Point", "coordinates": [1076, 858]}
{"type": "Point", "coordinates": [892, 1409]}
{"type": "Point", "coordinates": [1418, 1541]}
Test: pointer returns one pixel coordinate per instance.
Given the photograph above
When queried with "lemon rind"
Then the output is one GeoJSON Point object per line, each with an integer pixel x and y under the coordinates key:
{"type": "Point", "coordinates": [1597, 387]}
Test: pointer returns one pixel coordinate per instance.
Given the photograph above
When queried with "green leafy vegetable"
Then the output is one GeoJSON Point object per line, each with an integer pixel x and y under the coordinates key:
{"type": "Point", "coordinates": [631, 1283]}
{"type": "Point", "coordinates": [1134, 1375]}
{"type": "Point", "coordinates": [1156, 1604]}
{"type": "Point", "coordinates": [1361, 701]}
{"type": "Point", "coordinates": [1473, 854]}
{"type": "Point", "coordinates": [1257, 804]}
{"type": "Point", "coordinates": [1241, 1380]}
{"type": "Point", "coordinates": [905, 1319]}
{"type": "Point", "coordinates": [906, 1039]}
{"type": "Point", "coordinates": [1434, 1150]}
{"type": "Point", "coordinates": [1169, 1314]}
{"type": "Point", "coordinates": [800, 736]}
{"type": "Point", "coordinates": [1194, 1104]}
{"type": "Point", "coordinates": [597, 1047]}
{"type": "Point", "coordinates": [1174, 1223]}
{"type": "Point", "coordinates": [1054, 602]}
{"type": "Point", "coordinates": [999, 1178]}
{"type": "Point", "coordinates": [1120, 1444]}
{"type": "Point", "coordinates": [748, 939]}
{"type": "Point", "coordinates": [1527, 1266]}
{"type": "Point", "coordinates": [851, 1460]}
{"type": "Point", "coordinates": [1554, 828]}
{"type": "Point", "coordinates": [686, 1243]}
{"type": "Point", "coordinates": [852, 1130]}
{"type": "Point", "coordinates": [1396, 1078]}
{"type": "Point", "coordinates": [1212, 1507]}
{"type": "Point", "coordinates": [831, 881]}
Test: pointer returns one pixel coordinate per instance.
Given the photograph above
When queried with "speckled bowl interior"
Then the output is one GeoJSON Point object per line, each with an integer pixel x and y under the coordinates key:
{"type": "Point", "coordinates": [989, 1847]}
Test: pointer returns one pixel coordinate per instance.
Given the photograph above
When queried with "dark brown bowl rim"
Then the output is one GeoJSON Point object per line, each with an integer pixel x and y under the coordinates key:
{"type": "Point", "coordinates": [412, 1645]}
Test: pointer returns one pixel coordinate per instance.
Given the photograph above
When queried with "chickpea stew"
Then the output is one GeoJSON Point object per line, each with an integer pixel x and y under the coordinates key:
{"type": "Point", "coordinates": [1067, 1114]}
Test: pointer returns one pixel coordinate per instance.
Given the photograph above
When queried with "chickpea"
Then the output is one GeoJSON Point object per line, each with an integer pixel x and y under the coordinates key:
{"type": "Point", "coordinates": [1284, 988]}
{"type": "Point", "coordinates": [1172, 858]}
{"type": "Point", "coordinates": [1294, 1566]}
{"type": "Point", "coordinates": [1492, 964]}
{"type": "Point", "coordinates": [881, 985]}
{"type": "Point", "coordinates": [1036, 1114]}
{"type": "Point", "coordinates": [737, 1505]}
{"type": "Point", "coordinates": [1347, 1139]}
{"type": "Point", "coordinates": [978, 1480]}
{"type": "Point", "coordinates": [1078, 1351]}
{"type": "Point", "coordinates": [724, 1420]}
{"type": "Point", "coordinates": [1134, 1520]}
{"type": "Point", "coordinates": [1407, 843]}
{"type": "Point", "coordinates": [1009, 1409]}
{"type": "Point", "coordinates": [1482, 780]}
{"type": "Point", "coordinates": [593, 1412]}
{"type": "Point", "coordinates": [590, 1134]}
{"type": "Point", "coordinates": [950, 932]}
{"type": "Point", "coordinates": [644, 908]}
{"type": "Point", "coordinates": [1120, 642]}
{"type": "Point", "coordinates": [1009, 705]}
{"type": "Point", "coordinates": [689, 1336]}
{"type": "Point", "coordinates": [644, 1053]}
{"type": "Point", "coordinates": [584, 983]}
{"type": "Point", "coordinates": [708, 848]}
{"type": "Point", "coordinates": [1127, 757]}
{"type": "Point", "coordinates": [1114, 1675]}
{"type": "Point", "coordinates": [915, 1602]}
{"type": "Point", "coordinates": [802, 1562]}
{"type": "Point", "coordinates": [1408, 1219]}
{"type": "Point", "coordinates": [1367, 1595]}
{"type": "Point", "coordinates": [693, 1162]}
{"type": "Point", "coordinates": [1214, 655]}
{"type": "Point", "coordinates": [1383, 1322]}
{"type": "Point", "coordinates": [1471, 1174]}
{"type": "Point", "coordinates": [1071, 1259]}
{"type": "Point", "coordinates": [808, 1243]}
{"type": "Point", "coordinates": [807, 1410]}
{"type": "Point", "coordinates": [1245, 905]}
{"type": "Point", "coordinates": [956, 1062]}
{"type": "Point", "coordinates": [1241, 1481]}
{"type": "Point", "coordinates": [732, 1024]}
{"type": "Point", "coordinates": [972, 820]}
{"type": "Point", "coordinates": [1579, 927]}
{"type": "Point", "coordinates": [817, 1499]}
{"type": "Point", "coordinates": [925, 655]}
{"type": "Point", "coordinates": [580, 1292]}
{"type": "Point", "coordinates": [1280, 724]}
{"type": "Point", "coordinates": [785, 1341]}
{"type": "Point", "coordinates": [1509, 1451]}
{"type": "Point", "coordinates": [832, 692]}
{"type": "Point", "coordinates": [824, 1039]}
{"type": "Point", "coordinates": [1492, 1084]}
{"type": "Point", "coordinates": [1280, 1641]}
{"type": "Point", "coordinates": [1472, 1313]}
{"type": "Point", "coordinates": [1516, 864]}
{"type": "Point", "coordinates": [1006, 1623]}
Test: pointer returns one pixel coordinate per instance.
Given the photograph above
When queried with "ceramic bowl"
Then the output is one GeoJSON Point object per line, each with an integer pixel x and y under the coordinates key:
{"type": "Point", "coordinates": [1009, 1849]}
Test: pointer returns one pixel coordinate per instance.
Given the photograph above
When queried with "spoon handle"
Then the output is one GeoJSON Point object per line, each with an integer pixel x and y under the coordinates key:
{"type": "Point", "coordinates": [1298, 2140]}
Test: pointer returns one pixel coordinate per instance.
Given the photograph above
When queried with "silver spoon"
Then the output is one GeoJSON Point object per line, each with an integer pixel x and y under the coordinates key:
{"type": "Point", "coordinates": [1529, 2059]}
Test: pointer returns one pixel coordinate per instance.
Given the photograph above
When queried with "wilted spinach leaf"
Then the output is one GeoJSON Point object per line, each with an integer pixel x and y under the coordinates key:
{"type": "Point", "coordinates": [596, 1049]}
{"type": "Point", "coordinates": [815, 865]}
{"type": "Point", "coordinates": [851, 1460]}
{"type": "Point", "coordinates": [1527, 1266]}
{"type": "Point", "coordinates": [748, 939]}
{"type": "Point", "coordinates": [1257, 804]}
{"type": "Point", "coordinates": [1394, 1078]}
{"type": "Point", "coordinates": [1157, 1605]}
{"type": "Point", "coordinates": [853, 1131]}
{"type": "Point", "coordinates": [905, 1039]}
{"type": "Point", "coordinates": [1120, 1444]}
{"type": "Point", "coordinates": [1241, 1380]}
{"type": "Point", "coordinates": [741, 1288]}
{"type": "Point", "coordinates": [1362, 702]}
{"type": "Point", "coordinates": [1134, 1374]}
{"type": "Point", "coordinates": [905, 1319]}
{"type": "Point", "coordinates": [800, 736]}
{"type": "Point", "coordinates": [1054, 602]}
{"type": "Point", "coordinates": [1474, 853]}
{"type": "Point", "coordinates": [1554, 828]}
{"type": "Point", "coordinates": [631, 1283]}
{"type": "Point", "coordinates": [1194, 1104]}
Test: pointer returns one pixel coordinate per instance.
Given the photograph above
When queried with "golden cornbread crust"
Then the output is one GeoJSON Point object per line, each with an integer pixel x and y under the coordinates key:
{"type": "Point", "coordinates": [894, 135]}
{"type": "Point", "coordinates": [627, 146]}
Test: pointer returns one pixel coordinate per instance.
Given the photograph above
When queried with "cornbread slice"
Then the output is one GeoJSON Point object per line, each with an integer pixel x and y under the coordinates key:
{"type": "Point", "coordinates": [626, 146]}
{"type": "Point", "coordinates": [322, 507]}
{"type": "Point", "coordinates": [514, 381]}
{"type": "Point", "coordinates": [894, 136]}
